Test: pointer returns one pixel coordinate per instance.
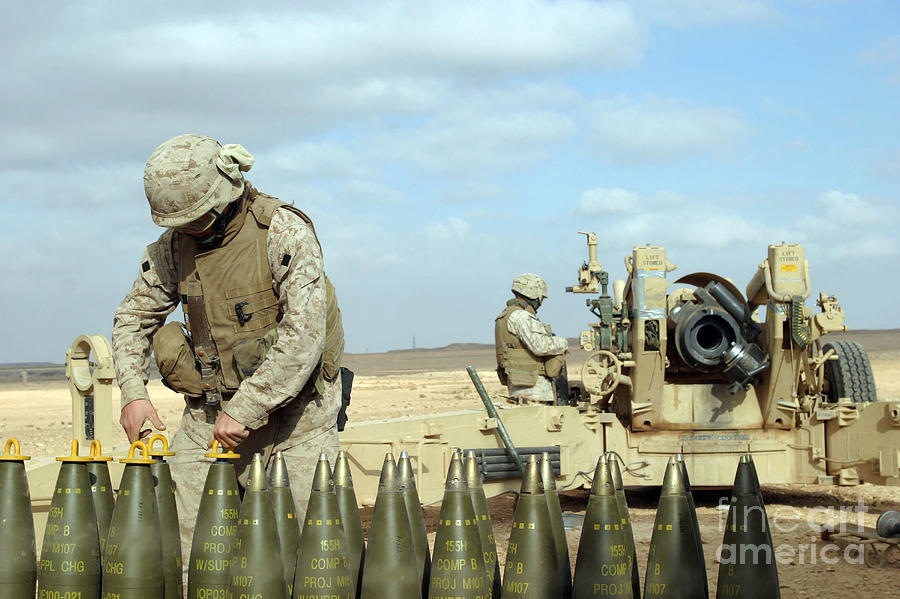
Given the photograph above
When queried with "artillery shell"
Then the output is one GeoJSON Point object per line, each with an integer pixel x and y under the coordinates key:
{"type": "Point", "coordinates": [215, 530]}
{"type": "Point", "coordinates": [133, 554]}
{"type": "Point", "coordinates": [602, 567]}
{"type": "Point", "coordinates": [485, 527]}
{"type": "Point", "coordinates": [612, 460]}
{"type": "Point", "coordinates": [168, 519]}
{"type": "Point", "coordinates": [689, 495]}
{"type": "Point", "coordinates": [70, 554]}
{"type": "Point", "coordinates": [356, 544]}
{"type": "Point", "coordinates": [416, 519]}
{"type": "Point", "coordinates": [458, 566]}
{"type": "Point", "coordinates": [285, 516]}
{"type": "Point", "coordinates": [556, 523]}
{"type": "Point", "coordinates": [322, 568]}
{"type": "Point", "coordinates": [256, 564]}
{"type": "Point", "coordinates": [674, 569]}
{"type": "Point", "coordinates": [747, 567]}
{"type": "Point", "coordinates": [390, 570]}
{"type": "Point", "coordinates": [531, 571]}
{"type": "Point", "coordinates": [18, 561]}
{"type": "Point", "coordinates": [101, 490]}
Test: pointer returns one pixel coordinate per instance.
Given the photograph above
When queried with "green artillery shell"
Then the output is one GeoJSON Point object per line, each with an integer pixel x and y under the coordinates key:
{"type": "Point", "coordinates": [322, 567]}
{"type": "Point", "coordinates": [390, 570]}
{"type": "Point", "coordinates": [458, 567]}
{"type": "Point", "coordinates": [70, 554]}
{"type": "Point", "coordinates": [674, 570]}
{"type": "Point", "coordinates": [133, 555]}
{"type": "Point", "coordinates": [356, 544]}
{"type": "Point", "coordinates": [679, 458]}
{"type": "Point", "coordinates": [485, 528]}
{"type": "Point", "coordinates": [416, 519]}
{"type": "Point", "coordinates": [747, 569]}
{"type": "Point", "coordinates": [531, 571]}
{"type": "Point", "coordinates": [215, 530]}
{"type": "Point", "coordinates": [256, 565]}
{"type": "Point", "coordinates": [602, 568]}
{"type": "Point", "coordinates": [285, 516]}
{"type": "Point", "coordinates": [18, 570]}
{"type": "Point", "coordinates": [612, 460]}
{"type": "Point", "coordinates": [101, 490]}
{"type": "Point", "coordinates": [556, 523]}
{"type": "Point", "coordinates": [168, 519]}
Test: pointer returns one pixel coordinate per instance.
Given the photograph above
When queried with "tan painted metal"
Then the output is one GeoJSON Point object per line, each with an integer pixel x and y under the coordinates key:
{"type": "Point", "coordinates": [91, 379]}
{"type": "Point", "coordinates": [633, 405]}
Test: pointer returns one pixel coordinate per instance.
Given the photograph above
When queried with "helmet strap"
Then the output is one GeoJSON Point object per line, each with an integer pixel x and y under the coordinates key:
{"type": "Point", "coordinates": [534, 303]}
{"type": "Point", "coordinates": [221, 223]}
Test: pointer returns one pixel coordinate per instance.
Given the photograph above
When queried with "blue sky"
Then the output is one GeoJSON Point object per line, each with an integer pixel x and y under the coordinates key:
{"type": "Point", "coordinates": [444, 147]}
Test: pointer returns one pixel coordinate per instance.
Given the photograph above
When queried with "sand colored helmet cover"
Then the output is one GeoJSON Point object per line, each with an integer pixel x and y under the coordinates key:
{"type": "Point", "coordinates": [530, 285]}
{"type": "Point", "coordinates": [189, 175]}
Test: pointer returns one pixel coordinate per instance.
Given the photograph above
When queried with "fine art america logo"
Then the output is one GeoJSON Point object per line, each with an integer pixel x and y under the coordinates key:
{"type": "Point", "coordinates": [790, 520]}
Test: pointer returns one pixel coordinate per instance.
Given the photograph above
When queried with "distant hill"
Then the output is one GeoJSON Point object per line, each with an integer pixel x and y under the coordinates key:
{"type": "Point", "coordinates": [449, 357]}
{"type": "Point", "coordinates": [30, 365]}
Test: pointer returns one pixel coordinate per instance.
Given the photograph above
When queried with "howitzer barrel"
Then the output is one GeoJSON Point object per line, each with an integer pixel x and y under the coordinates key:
{"type": "Point", "coordinates": [714, 333]}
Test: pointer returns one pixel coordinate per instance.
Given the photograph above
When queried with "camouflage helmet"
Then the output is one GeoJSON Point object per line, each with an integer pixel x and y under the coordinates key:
{"type": "Point", "coordinates": [530, 285]}
{"type": "Point", "coordinates": [189, 175]}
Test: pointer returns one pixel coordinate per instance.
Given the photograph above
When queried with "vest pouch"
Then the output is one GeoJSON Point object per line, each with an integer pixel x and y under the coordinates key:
{"type": "Point", "coordinates": [522, 369]}
{"type": "Point", "coordinates": [333, 353]}
{"type": "Point", "coordinates": [554, 365]}
{"type": "Point", "coordinates": [175, 360]}
{"type": "Point", "coordinates": [250, 353]}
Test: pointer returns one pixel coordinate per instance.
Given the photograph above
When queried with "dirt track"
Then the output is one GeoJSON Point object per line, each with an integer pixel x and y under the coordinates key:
{"type": "Point", "coordinates": [398, 384]}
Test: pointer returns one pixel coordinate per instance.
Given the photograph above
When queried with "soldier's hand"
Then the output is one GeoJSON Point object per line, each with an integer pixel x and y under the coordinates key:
{"type": "Point", "coordinates": [229, 432]}
{"type": "Point", "coordinates": [133, 417]}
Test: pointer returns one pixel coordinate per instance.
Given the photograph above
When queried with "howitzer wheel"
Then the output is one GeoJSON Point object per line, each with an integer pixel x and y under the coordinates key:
{"type": "Point", "coordinates": [851, 374]}
{"type": "Point", "coordinates": [600, 373]}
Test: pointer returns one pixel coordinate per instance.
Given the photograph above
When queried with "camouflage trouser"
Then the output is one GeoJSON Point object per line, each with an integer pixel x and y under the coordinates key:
{"type": "Point", "coordinates": [189, 468]}
{"type": "Point", "coordinates": [541, 392]}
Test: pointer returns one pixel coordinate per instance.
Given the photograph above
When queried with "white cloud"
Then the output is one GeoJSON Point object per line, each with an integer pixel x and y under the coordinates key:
{"type": "Point", "coordinates": [473, 190]}
{"type": "Point", "coordinates": [781, 109]}
{"type": "Point", "coordinates": [684, 13]}
{"type": "Point", "coordinates": [473, 142]}
{"type": "Point", "coordinates": [285, 71]}
{"type": "Point", "coordinates": [656, 130]}
{"type": "Point", "coordinates": [370, 192]}
{"type": "Point", "coordinates": [454, 228]}
{"type": "Point", "coordinates": [885, 52]}
{"type": "Point", "coordinates": [884, 56]}
{"type": "Point", "coordinates": [357, 247]}
{"type": "Point", "coordinates": [836, 210]}
{"type": "Point", "coordinates": [887, 165]}
{"type": "Point", "coordinates": [875, 245]}
{"type": "Point", "coordinates": [608, 201]}
{"type": "Point", "coordinates": [839, 224]}
{"type": "Point", "coordinates": [327, 159]}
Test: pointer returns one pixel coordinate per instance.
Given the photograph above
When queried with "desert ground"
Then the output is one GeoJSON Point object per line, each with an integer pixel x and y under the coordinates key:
{"type": "Point", "coordinates": [415, 382]}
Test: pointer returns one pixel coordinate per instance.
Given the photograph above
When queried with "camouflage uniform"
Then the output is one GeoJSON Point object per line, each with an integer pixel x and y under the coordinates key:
{"type": "Point", "coordinates": [278, 402]}
{"type": "Point", "coordinates": [535, 336]}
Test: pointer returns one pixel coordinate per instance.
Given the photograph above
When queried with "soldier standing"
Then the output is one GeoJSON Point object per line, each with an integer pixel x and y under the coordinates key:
{"type": "Point", "coordinates": [531, 360]}
{"type": "Point", "coordinates": [258, 356]}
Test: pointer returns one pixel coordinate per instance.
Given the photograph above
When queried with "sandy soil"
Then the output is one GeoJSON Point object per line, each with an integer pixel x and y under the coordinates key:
{"type": "Point", "coordinates": [404, 383]}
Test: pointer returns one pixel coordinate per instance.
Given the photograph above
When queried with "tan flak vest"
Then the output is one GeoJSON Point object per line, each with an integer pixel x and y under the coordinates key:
{"type": "Point", "coordinates": [236, 285]}
{"type": "Point", "coordinates": [516, 365]}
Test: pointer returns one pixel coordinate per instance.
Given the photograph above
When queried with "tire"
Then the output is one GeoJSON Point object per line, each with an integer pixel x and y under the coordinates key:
{"type": "Point", "coordinates": [851, 374]}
